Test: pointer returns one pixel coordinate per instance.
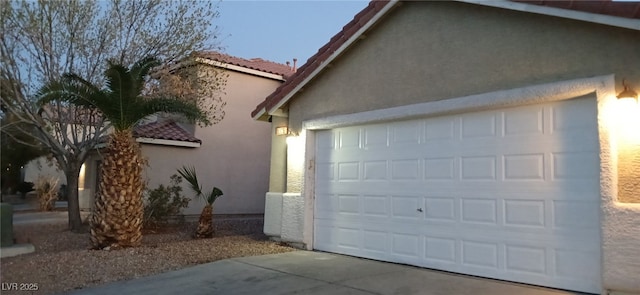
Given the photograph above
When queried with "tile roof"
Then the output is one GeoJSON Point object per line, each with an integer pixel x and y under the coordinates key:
{"type": "Point", "coordinates": [168, 130]}
{"type": "Point", "coordinates": [606, 7]}
{"type": "Point", "coordinates": [258, 64]}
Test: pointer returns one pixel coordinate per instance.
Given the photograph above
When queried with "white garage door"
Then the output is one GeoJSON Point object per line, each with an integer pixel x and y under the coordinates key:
{"type": "Point", "coordinates": [511, 194]}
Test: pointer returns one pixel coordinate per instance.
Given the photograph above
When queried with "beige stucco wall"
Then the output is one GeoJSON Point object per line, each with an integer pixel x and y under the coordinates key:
{"type": "Point", "coordinates": [433, 50]}
{"type": "Point", "coordinates": [234, 155]}
{"type": "Point", "coordinates": [42, 167]}
{"type": "Point", "coordinates": [629, 171]}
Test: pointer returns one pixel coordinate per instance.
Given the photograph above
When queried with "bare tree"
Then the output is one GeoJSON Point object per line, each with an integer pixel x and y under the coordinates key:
{"type": "Point", "coordinates": [41, 40]}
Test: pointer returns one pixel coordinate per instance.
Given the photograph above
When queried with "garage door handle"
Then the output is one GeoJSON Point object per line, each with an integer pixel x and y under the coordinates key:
{"type": "Point", "coordinates": [419, 209]}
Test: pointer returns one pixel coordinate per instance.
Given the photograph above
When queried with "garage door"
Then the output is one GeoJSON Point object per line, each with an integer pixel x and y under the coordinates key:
{"type": "Point", "coordinates": [511, 194]}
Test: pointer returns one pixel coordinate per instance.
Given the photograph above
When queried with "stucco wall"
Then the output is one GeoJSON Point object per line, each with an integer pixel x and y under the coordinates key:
{"type": "Point", "coordinates": [433, 50]}
{"type": "Point", "coordinates": [234, 155]}
{"type": "Point", "coordinates": [629, 170]}
{"type": "Point", "coordinates": [41, 167]}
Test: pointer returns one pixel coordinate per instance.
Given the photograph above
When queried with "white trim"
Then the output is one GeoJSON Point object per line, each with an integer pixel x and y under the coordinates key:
{"type": "Point", "coordinates": [240, 69]}
{"type": "Point", "coordinates": [335, 54]}
{"type": "Point", "coordinates": [610, 20]}
{"type": "Point", "coordinates": [168, 142]}
{"type": "Point", "coordinates": [504, 98]}
{"type": "Point", "coordinates": [309, 188]}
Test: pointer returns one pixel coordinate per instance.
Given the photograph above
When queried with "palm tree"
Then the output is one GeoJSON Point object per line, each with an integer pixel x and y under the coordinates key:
{"type": "Point", "coordinates": [205, 223]}
{"type": "Point", "coordinates": [117, 218]}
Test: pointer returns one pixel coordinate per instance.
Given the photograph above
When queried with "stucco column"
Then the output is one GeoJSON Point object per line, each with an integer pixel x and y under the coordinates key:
{"type": "Point", "coordinates": [292, 200]}
{"type": "Point", "coordinates": [621, 210]}
{"type": "Point", "coordinates": [278, 170]}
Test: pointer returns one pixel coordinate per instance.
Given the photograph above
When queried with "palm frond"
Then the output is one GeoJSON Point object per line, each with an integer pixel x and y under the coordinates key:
{"type": "Point", "coordinates": [71, 88]}
{"type": "Point", "coordinates": [120, 87]}
{"type": "Point", "coordinates": [171, 105]}
{"type": "Point", "coordinates": [141, 69]}
{"type": "Point", "coordinates": [189, 174]}
{"type": "Point", "coordinates": [214, 195]}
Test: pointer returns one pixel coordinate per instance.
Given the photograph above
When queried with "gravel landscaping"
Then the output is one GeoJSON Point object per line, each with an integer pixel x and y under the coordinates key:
{"type": "Point", "coordinates": [62, 262]}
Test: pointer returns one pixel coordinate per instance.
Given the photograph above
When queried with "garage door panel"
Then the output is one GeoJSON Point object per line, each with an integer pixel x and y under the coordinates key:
{"type": "Point", "coordinates": [440, 249]}
{"type": "Point", "coordinates": [479, 211]}
{"type": "Point", "coordinates": [525, 213]}
{"type": "Point", "coordinates": [439, 130]}
{"type": "Point", "coordinates": [375, 205]}
{"type": "Point", "coordinates": [375, 137]}
{"type": "Point", "coordinates": [440, 209]}
{"type": "Point", "coordinates": [406, 169]}
{"type": "Point", "coordinates": [524, 122]}
{"type": "Point", "coordinates": [405, 133]}
{"type": "Point", "coordinates": [349, 139]}
{"type": "Point", "coordinates": [406, 245]}
{"type": "Point", "coordinates": [375, 244]}
{"type": "Point", "coordinates": [375, 170]}
{"type": "Point", "coordinates": [523, 166]}
{"type": "Point", "coordinates": [478, 168]}
{"type": "Point", "coordinates": [440, 168]}
{"type": "Point", "coordinates": [570, 214]}
{"type": "Point", "coordinates": [510, 194]}
{"type": "Point", "coordinates": [480, 254]}
{"type": "Point", "coordinates": [572, 165]}
{"type": "Point", "coordinates": [526, 259]}
{"type": "Point", "coordinates": [573, 115]}
{"type": "Point", "coordinates": [476, 125]}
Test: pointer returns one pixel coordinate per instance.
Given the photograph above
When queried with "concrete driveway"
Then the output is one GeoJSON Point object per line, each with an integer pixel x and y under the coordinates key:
{"type": "Point", "coordinates": [305, 272]}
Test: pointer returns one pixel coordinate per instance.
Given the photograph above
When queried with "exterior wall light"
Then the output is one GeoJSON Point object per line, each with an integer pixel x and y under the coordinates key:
{"type": "Point", "coordinates": [627, 93]}
{"type": "Point", "coordinates": [282, 130]}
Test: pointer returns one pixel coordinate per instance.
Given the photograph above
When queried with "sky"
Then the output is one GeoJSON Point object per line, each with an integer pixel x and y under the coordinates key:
{"type": "Point", "coordinates": [282, 30]}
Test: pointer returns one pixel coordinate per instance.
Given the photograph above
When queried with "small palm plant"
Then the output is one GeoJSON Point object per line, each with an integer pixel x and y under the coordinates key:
{"type": "Point", "coordinates": [205, 223]}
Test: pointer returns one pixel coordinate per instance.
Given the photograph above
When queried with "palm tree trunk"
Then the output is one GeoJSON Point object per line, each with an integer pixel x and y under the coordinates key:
{"type": "Point", "coordinates": [205, 224]}
{"type": "Point", "coordinates": [117, 218]}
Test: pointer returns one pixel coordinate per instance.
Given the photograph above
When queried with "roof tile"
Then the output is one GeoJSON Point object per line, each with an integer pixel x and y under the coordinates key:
{"type": "Point", "coordinates": [258, 64]}
{"type": "Point", "coordinates": [168, 130]}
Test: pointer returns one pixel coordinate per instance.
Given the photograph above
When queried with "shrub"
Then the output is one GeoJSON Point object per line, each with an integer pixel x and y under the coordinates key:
{"type": "Point", "coordinates": [165, 202]}
{"type": "Point", "coordinates": [47, 192]}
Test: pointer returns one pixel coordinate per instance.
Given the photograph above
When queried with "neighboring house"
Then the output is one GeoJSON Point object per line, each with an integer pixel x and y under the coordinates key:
{"type": "Point", "coordinates": [232, 155]}
{"type": "Point", "coordinates": [482, 138]}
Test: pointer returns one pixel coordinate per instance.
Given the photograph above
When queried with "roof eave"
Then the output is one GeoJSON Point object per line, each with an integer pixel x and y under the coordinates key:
{"type": "Point", "coordinates": [261, 115]}
{"type": "Point", "coordinates": [240, 69]}
{"type": "Point", "coordinates": [176, 143]}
